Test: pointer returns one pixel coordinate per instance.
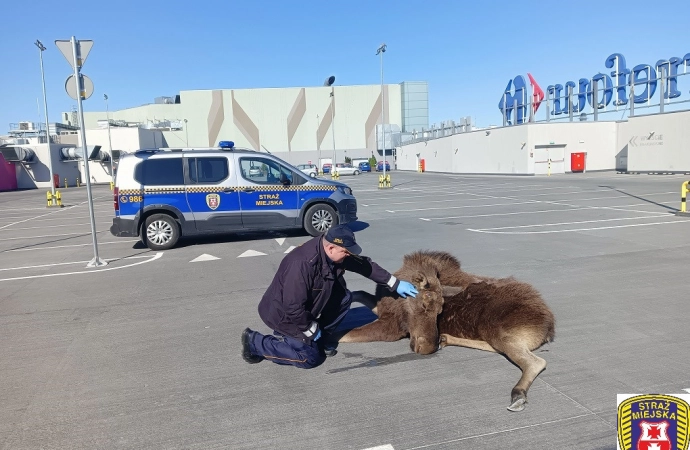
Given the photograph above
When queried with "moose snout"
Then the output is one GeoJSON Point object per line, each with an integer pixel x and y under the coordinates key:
{"type": "Point", "coordinates": [422, 345]}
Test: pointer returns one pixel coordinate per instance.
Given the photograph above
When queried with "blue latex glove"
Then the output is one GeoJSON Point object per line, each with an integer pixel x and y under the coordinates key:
{"type": "Point", "coordinates": [317, 335]}
{"type": "Point", "coordinates": [404, 289]}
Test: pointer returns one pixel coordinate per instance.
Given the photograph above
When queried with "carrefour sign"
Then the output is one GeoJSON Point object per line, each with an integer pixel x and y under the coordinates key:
{"type": "Point", "coordinates": [609, 89]}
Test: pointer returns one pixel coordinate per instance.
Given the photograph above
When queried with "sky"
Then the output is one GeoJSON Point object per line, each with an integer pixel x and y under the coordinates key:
{"type": "Point", "coordinates": [466, 51]}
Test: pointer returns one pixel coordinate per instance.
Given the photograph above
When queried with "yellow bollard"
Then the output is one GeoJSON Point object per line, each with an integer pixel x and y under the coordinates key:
{"type": "Point", "coordinates": [65, 182]}
{"type": "Point", "coordinates": [58, 196]}
{"type": "Point", "coordinates": [388, 180]}
{"type": "Point", "coordinates": [112, 185]}
{"type": "Point", "coordinates": [50, 199]}
{"type": "Point", "coordinates": [78, 182]}
{"type": "Point", "coordinates": [683, 195]}
{"type": "Point", "coordinates": [549, 171]}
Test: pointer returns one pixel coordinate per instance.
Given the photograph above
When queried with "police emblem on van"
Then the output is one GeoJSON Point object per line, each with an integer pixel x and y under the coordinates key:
{"type": "Point", "coordinates": [656, 422]}
{"type": "Point", "coordinates": [213, 201]}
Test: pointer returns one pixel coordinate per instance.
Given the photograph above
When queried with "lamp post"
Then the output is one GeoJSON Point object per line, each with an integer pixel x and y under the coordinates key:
{"type": "Point", "coordinates": [41, 48]}
{"type": "Point", "coordinates": [110, 142]}
{"type": "Point", "coordinates": [186, 133]}
{"type": "Point", "coordinates": [380, 51]}
{"type": "Point", "coordinates": [333, 123]}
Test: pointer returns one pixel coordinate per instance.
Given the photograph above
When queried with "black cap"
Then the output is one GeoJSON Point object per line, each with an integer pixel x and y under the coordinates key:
{"type": "Point", "coordinates": [342, 236]}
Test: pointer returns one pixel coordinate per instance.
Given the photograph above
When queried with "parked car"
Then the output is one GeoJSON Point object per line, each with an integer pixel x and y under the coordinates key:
{"type": "Point", "coordinates": [309, 169]}
{"type": "Point", "coordinates": [365, 167]}
{"type": "Point", "coordinates": [346, 169]}
{"type": "Point", "coordinates": [162, 195]}
{"type": "Point", "coordinates": [326, 168]}
{"type": "Point", "coordinates": [379, 166]}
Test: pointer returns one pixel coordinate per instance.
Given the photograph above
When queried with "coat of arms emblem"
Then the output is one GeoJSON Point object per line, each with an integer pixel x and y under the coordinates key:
{"type": "Point", "coordinates": [653, 422]}
{"type": "Point", "coordinates": [213, 201]}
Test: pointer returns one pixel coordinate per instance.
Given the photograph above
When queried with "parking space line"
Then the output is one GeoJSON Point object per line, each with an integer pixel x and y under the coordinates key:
{"type": "Point", "coordinates": [81, 233]}
{"type": "Point", "coordinates": [57, 226]}
{"type": "Point", "coordinates": [152, 258]}
{"type": "Point", "coordinates": [575, 223]}
{"type": "Point", "coordinates": [72, 245]}
{"type": "Point", "coordinates": [69, 263]}
{"type": "Point", "coordinates": [489, 231]}
{"type": "Point", "coordinates": [499, 432]}
{"type": "Point", "coordinates": [46, 214]}
{"type": "Point", "coordinates": [578, 208]}
{"type": "Point", "coordinates": [464, 206]}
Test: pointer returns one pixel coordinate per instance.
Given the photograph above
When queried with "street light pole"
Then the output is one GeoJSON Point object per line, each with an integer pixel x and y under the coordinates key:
{"type": "Point", "coordinates": [41, 48]}
{"type": "Point", "coordinates": [381, 50]}
{"type": "Point", "coordinates": [110, 142]}
{"type": "Point", "coordinates": [333, 123]}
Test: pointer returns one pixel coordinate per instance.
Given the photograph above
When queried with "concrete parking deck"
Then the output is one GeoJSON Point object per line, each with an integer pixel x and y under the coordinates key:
{"type": "Point", "coordinates": [144, 352]}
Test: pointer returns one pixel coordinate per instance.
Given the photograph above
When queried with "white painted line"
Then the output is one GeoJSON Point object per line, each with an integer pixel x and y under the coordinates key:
{"type": "Point", "coordinates": [56, 226]}
{"type": "Point", "coordinates": [381, 447]}
{"type": "Point", "coordinates": [46, 214]}
{"type": "Point", "coordinates": [436, 444]}
{"type": "Point", "coordinates": [427, 220]}
{"type": "Point", "coordinates": [280, 241]}
{"type": "Point", "coordinates": [575, 223]}
{"type": "Point", "coordinates": [249, 253]}
{"type": "Point", "coordinates": [364, 204]}
{"type": "Point", "coordinates": [687, 390]}
{"type": "Point", "coordinates": [153, 258]}
{"type": "Point", "coordinates": [81, 233]}
{"type": "Point", "coordinates": [547, 211]}
{"type": "Point", "coordinates": [389, 211]}
{"type": "Point", "coordinates": [72, 245]}
{"type": "Point", "coordinates": [204, 257]}
{"type": "Point", "coordinates": [578, 229]}
{"type": "Point", "coordinates": [69, 263]}
{"type": "Point", "coordinates": [292, 247]}
{"type": "Point", "coordinates": [465, 206]}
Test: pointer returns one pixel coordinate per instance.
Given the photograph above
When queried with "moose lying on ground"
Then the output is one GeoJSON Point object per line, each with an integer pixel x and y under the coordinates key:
{"type": "Point", "coordinates": [453, 307]}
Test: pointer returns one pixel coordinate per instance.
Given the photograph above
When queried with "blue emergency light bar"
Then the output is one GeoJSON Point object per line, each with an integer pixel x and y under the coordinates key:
{"type": "Point", "coordinates": [226, 144]}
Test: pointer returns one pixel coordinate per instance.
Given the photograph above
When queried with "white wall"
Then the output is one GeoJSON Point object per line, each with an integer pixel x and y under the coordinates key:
{"type": "Point", "coordinates": [215, 115]}
{"type": "Point", "coordinates": [30, 176]}
{"type": "Point", "coordinates": [656, 143]}
{"type": "Point", "coordinates": [124, 139]}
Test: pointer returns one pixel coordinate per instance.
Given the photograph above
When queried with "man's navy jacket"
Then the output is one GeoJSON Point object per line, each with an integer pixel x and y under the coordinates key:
{"type": "Point", "coordinates": [306, 280]}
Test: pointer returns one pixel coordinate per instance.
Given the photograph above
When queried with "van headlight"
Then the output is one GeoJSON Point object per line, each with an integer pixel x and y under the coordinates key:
{"type": "Point", "coordinates": [345, 190]}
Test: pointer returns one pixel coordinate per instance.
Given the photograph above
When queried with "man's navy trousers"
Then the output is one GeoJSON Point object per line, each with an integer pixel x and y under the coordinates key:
{"type": "Point", "coordinates": [302, 353]}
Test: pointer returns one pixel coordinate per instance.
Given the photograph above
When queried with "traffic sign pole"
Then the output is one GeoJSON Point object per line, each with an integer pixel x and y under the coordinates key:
{"type": "Point", "coordinates": [77, 63]}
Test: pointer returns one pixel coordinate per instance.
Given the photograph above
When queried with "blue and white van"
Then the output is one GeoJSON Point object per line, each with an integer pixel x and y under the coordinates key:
{"type": "Point", "coordinates": [164, 194]}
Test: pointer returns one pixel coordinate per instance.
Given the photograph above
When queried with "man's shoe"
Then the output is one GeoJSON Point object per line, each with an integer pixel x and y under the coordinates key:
{"type": "Point", "coordinates": [330, 351]}
{"type": "Point", "coordinates": [246, 353]}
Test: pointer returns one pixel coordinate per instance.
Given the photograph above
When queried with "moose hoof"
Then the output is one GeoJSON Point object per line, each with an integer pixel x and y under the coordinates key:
{"type": "Point", "coordinates": [518, 405]}
{"type": "Point", "coordinates": [442, 341]}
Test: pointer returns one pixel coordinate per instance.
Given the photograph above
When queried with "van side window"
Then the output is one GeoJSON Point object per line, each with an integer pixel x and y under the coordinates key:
{"type": "Point", "coordinates": [264, 171]}
{"type": "Point", "coordinates": [208, 170]}
{"type": "Point", "coordinates": [160, 172]}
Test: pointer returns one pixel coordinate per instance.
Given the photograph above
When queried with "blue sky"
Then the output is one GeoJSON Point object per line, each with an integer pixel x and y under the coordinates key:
{"type": "Point", "coordinates": [467, 51]}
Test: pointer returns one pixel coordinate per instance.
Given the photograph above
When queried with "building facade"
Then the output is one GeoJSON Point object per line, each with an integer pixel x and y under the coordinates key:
{"type": "Point", "coordinates": [283, 120]}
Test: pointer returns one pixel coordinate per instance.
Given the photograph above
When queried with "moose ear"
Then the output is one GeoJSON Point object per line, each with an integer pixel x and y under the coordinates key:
{"type": "Point", "coordinates": [449, 291]}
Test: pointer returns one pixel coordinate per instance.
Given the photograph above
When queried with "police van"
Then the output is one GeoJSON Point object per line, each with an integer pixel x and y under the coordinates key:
{"type": "Point", "coordinates": [164, 194]}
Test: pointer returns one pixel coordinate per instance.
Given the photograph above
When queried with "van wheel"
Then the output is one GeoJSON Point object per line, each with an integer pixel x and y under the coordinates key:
{"type": "Point", "coordinates": [356, 172]}
{"type": "Point", "coordinates": [319, 218]}
{"type": "Point", "coordinates": [161, 232]}
{"type": "Point", "coordinates": [313, 174]}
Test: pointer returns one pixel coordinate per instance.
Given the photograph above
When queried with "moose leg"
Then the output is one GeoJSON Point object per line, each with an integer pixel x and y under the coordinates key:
{"type": "Point", "coordinates": [366, 299]}
{"type": "Point", "coordinates": [378, 330]}
{"type": "Point", "coordinates": [531, 366]}
{"type": "Point", "coordinates": [447, 339]}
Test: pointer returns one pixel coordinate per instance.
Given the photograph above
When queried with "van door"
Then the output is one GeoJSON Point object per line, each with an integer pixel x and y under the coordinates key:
{"type": "Point", "coordinates": [212, 193]}
{"type": "Point", "coordinates": [267, 195]}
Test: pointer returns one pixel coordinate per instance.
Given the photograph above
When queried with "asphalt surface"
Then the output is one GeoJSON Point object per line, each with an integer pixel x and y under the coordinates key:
{"type": "Point", "coordinates": [144, 353]}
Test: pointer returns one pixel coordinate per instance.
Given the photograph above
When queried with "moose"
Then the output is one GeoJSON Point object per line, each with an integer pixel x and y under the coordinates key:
{"type": "Point", "coordinates": [457, 308]}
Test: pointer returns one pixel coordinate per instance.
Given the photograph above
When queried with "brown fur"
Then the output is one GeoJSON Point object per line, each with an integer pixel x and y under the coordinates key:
{"type": "Point", "coordinates": [501, 315]}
